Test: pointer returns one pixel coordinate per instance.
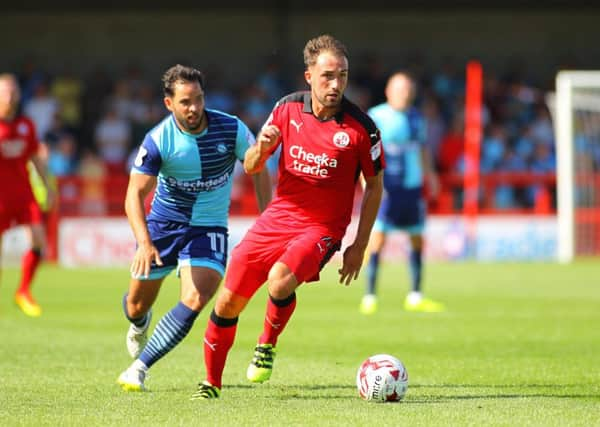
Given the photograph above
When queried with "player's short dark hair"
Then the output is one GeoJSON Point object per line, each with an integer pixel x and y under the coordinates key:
{"type": "Point", "coordinates": [180, 73]}
{"type": "Point", "coordinates": [322, 43]}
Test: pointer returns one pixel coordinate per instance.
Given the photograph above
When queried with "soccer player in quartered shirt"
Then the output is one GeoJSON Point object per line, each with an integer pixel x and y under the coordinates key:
{"type": "Point", "coordinates": [403, 207]}
{"type": "Point", "coordinates": [189, 157]}
{"type": "Point", "coordinates": [326, 143]}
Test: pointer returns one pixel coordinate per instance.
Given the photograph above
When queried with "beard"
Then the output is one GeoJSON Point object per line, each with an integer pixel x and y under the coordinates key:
{"type": "Point", "coordinates": [191, 123]}
{"type": "Point", "coordinates": [329, 102]}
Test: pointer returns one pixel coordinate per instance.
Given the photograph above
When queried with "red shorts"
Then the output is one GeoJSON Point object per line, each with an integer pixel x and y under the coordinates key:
{"type": "Point", "coordinates": [24, 212]}
{"type": "Point", "coordinates": [305, 253]}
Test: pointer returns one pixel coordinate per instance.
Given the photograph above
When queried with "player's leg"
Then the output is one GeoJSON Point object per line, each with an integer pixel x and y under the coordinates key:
{"type": "Point", "coordinates": [143, 291]}
{"type": "Point", "coordinates": [368, 304]}
{"type": "Point", "coordinates": [245, 275]}
{"type": "Point", "coordinates": [29, 264]}
{"type": "Point", "coordinates": [137, 307]}
{"type": "Point", "coordinates": [198, 285]}
{"type": "Point", "coordinates": [218, 340]}
{"type": "Point", "coordinates": [304, 257]}
{"type": "Point", "coordinates": [281, 304]}
{"type": "Point", "coordinates": [415, 262]}
{"type": "Point", "coordinates": [415, 301]}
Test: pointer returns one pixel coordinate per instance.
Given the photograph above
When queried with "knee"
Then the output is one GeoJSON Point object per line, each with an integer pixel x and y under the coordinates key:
{"type": "Point", "coordinates": [281, 287]}
{"type": "Point", "coordinates": [197, 300]}
{"type": "Point", "coordinates": [416, 242]}
{"type": "Point", "coordinates": [229, 305]}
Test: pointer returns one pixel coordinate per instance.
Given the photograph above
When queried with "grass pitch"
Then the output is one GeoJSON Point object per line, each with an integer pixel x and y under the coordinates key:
{"type": "Point", "coordinates": [519, 345]}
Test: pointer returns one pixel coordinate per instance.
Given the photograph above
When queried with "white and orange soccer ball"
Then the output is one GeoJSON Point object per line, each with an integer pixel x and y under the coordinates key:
{"type": "Point", "coordinates": [382, 378]}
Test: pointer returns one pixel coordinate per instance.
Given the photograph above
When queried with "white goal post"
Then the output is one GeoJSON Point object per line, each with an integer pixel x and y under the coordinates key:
{"type": "Point", "coordinates": [575, 91]}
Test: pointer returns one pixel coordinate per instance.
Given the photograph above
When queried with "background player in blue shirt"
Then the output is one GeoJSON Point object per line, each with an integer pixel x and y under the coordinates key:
{"type": "Point", "coordinates": [403, 206]}
{"type": "Point", "coordinates": [189, 157]}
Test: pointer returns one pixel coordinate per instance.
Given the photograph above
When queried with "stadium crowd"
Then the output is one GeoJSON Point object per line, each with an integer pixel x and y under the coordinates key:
{"type": "Point", "coordinates": [93, 123]}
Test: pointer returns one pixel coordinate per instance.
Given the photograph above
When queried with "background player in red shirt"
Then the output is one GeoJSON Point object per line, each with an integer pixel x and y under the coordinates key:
{"type": "Point", "coordinates": [326, 142]}
{"type": "Point", "coordinates": [18, 146]}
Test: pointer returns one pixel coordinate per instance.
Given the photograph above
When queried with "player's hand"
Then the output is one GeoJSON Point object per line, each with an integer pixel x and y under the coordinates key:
{"type": "Point", "coordinates": [268, 137]}
{"type": "Point", "coordinates": [142, 260]}
{"type": "Point", "coordinates": [353, 258]}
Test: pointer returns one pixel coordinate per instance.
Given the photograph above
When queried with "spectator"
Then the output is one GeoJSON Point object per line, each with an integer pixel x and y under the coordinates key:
{"type": "Point", "coordinates": [62, 157]}
{"type": "Point", "coordinates": [113, 140]}
{"type": "Point", "coordinates": [92, 171]}
{"type": "Point", "coordinates": [452, 146]}
{"type": "Point", "coordinates": [42, 108]}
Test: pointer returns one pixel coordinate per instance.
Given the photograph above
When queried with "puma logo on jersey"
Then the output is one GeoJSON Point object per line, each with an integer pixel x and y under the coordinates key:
{"type": "Point", "coordinates": [296, 125]}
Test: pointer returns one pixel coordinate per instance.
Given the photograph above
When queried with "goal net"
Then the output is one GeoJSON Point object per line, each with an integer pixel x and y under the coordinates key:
{"type": "Point", "coordinates": [576, 110]}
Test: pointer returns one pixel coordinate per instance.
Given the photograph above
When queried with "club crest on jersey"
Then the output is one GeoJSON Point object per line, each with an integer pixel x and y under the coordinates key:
{"type": "Point", "coordinates": [341, 139]}
{"type": "Point", "coordinates": [22, 129]}
{"type": "Point", "coordinates": [221, 148]}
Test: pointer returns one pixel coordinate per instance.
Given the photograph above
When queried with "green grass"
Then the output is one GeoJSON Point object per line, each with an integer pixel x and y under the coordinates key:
{"type": "Point", "coordinates": [519, 345]}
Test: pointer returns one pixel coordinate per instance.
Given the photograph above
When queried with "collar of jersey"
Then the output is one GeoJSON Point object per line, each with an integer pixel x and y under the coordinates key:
{"type": "Point", "coordinates": [307, 108]}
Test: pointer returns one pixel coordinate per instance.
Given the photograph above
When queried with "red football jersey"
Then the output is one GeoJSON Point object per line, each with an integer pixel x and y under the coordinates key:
{"type": "Point", "coordinates": [18, 143]}
{"type": "Point", "coordinates": [320, 164]}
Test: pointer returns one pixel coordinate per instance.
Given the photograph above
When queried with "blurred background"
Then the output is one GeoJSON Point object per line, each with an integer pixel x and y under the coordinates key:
{"type": "Point", "coordinates": [90, 78]}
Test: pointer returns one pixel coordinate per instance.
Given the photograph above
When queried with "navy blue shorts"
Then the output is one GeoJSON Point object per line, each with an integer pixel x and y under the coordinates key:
{"type": "Point", "coordinates": [402, 209]}
{"type": "Point", "coordinates": [183, 245]}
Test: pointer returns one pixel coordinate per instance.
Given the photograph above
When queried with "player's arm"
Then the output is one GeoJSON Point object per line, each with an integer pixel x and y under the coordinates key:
{"type": "Point", "coordinates": [262, 188]}
{"type": "Point", "coordinates": [257, 154]}
{"type": "Point", "coordinates": [140, 185]}
{"type": "Point", "coordinates": [262, 180]}
{"type": "Point", "coordinates": [431, 175]}
{"type": "Point", "coordinates": [41, 168]}
{"type": "Point", "coordinates": [354, 254]}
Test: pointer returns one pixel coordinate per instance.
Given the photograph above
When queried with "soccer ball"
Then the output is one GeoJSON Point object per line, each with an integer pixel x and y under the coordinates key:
{"type": "Point", "coordinates": [382, 378]}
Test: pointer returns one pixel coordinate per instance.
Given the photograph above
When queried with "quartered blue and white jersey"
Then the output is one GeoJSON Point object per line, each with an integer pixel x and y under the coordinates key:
{"type": "Point", "coordinates": [403, 137]}
{"type": "Point", "coordinates": [194, 172]}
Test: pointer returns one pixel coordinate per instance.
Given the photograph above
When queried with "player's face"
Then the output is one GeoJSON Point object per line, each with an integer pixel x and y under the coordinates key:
{"type": "Point", "coordinates": [328, 79]}
{"type": "Point", "coordinates": [187, 105]}
{"type": "Point", "coordinates": [399, 92]}
{"type": "Point", "coordinates": [9, 97]}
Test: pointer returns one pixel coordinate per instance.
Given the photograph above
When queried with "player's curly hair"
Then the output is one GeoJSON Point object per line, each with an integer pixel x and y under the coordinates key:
{"type": "Point", "coordinates": [180, 73]}
{"type": "Point", "coordinates": [322, 43]}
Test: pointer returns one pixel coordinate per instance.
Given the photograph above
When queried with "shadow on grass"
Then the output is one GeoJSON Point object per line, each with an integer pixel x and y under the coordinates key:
{"type": "Point", "coordinates": [557, 391]}
{"type": "Point", "coordinates": [345, 391]}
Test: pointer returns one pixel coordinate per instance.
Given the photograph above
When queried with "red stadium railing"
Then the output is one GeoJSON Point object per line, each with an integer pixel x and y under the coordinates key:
{"type": "Point", "coordinates": [534, 194]}
{"type": "Point", "coordinates": [85, 197]}
{"type": "Point", "coordinates": [105, 197]}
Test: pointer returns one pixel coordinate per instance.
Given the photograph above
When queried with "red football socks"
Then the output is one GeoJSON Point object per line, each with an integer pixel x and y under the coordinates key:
{"type": "Point", "coordinates": [218, 339]}
{"type": "Point", "coordinates": [29, 264]}
{"type": "Point", "coordinates": [277, 316]}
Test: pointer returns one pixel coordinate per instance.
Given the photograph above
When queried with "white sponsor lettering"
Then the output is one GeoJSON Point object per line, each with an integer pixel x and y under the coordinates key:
{"type": "Point", "coordinates": [311, 163]}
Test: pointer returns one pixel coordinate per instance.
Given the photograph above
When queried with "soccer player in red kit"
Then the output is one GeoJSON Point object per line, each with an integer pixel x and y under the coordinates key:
{"type": "Point", "coordinates": [327, 142]}
{"type": "Point", "coordinates": [18, 146]}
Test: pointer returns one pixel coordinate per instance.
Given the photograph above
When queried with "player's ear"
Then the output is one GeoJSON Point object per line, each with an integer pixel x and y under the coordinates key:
{"type": "Point", "coordinates": [168, 103]}
{"type": "Point", "coordinates": [307, 76]}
